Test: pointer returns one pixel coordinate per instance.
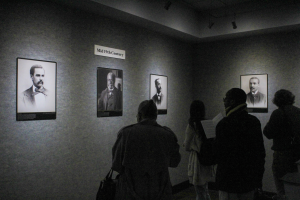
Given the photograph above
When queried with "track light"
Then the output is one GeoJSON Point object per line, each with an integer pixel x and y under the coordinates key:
{"type": "Point", "coordinates": [234, 25]}
{"type": "Point", "coordinates": [167, 5]}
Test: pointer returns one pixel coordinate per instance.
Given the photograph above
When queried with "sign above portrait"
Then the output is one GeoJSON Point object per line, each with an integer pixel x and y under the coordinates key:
{"type": "Point", "coordinates": [256, 88]}
{"type": "Point", "coordinates": [109, 52]}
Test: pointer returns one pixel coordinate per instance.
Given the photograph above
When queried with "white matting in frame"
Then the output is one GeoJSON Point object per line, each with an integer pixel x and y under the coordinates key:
{"type": "Point", "coordinates": [159, 92]}
{"type": "Point", "coordinates": [256, 88]}
{"type": "Point", "coordinates": [36, 89]}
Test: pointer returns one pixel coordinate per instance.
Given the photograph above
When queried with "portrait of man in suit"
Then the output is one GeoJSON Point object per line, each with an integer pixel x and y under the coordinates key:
{"type": "Point", "coordinates": [111, 97]}
{"type": "Point", "coordinates": [158, 97]}
{"type": "Point", "coordinates": [36, 87]}
{"type": "Point", "coordinates": [159, 92]}
{"type": "Point", "coordinates": [35, 97]}
{"type": "Point", "coordinates": [255, 98]}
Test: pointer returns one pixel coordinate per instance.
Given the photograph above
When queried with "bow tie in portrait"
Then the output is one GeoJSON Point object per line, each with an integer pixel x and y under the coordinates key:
{"type": "Point", "coordinates": [38, 91]}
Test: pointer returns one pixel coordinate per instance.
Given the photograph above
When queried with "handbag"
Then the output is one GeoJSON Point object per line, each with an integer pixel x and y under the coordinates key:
{"type": "Point", "coordinates": [107, 188]}
{"type": "Point", "coordinates": [206, 156]}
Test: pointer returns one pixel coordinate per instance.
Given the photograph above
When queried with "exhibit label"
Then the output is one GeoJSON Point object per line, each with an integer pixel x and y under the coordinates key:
{"type": "Point", "coordinates": [109, 52]}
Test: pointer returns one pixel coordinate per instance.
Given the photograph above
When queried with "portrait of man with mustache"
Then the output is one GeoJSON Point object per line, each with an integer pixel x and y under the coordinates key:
{"type": "Point", "coordinates": [111, 97]}
{"type": "Point", "coordinates": [35, 96]}
{"type": "Point", "coordinates": [255, 98]}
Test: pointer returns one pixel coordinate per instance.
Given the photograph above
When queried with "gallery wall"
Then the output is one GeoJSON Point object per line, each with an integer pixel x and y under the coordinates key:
{"type": "Point", "coordinates": [65, 158]}
{"type": "Point", "coordinates": [219, 66]}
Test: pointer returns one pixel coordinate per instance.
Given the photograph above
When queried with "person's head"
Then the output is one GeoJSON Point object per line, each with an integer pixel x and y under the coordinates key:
{"type": "Point", "coordinates": [147, 110]}
{"type": "Point", "coordinates": [37, 74]}
{"type": "Point", "coordinates": [283, 97]}
{"type": "Point", "coordinates": [254, 84]}
{"type": "Point", "coordinates": [197, 112]}
{"type": "Point", "coordinates": [111, 78]}
{"type": "Point", "coordinates": [234, 97]}
{"type": "Point", "coordinates": [158, 85]}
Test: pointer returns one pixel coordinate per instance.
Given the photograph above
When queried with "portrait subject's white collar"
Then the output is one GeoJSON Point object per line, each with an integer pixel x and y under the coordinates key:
{"type": "Point", "coordinates": [255, 92]}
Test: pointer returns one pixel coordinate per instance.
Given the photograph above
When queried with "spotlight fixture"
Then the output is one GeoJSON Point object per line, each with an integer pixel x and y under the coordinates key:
{"type": "Point", "coordinates": [210, 25]}
{"type": "Point", "coordinates": [167, 5]}
{"type": "Point", "coordinates": [233, 23]}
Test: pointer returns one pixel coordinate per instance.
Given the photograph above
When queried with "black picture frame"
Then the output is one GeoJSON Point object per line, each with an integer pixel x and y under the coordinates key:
{"type": "Point", "coordinates": [160, 100]}
{"type": "Point", "coordinates": [39, 104]}
{"type": "Point", "coordinates": [109, 102]}
{"type": "Point", "coordinates": [258, 102]}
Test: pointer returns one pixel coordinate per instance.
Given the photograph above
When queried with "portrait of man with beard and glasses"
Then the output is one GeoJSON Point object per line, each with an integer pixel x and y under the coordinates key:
{"type": "Point", "coordinates": [110, 98]}
{"type": "Point", "coordinates": [36, 86]}
{"type": "Point", "coordinates": [255, 87]}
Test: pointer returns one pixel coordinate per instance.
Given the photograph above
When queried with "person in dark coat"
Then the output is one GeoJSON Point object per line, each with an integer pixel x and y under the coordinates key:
{"type": "Point", "coordinates": [142, 154]}
{"type": "Point", "coordinates": [239, 149]}
{"type": "Point", "coordinates": [283, 123]}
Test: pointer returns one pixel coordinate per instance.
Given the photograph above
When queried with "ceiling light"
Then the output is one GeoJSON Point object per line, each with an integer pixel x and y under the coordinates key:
{"type": "Point", "coordinates": [234, 25]}
{"type": "Point", "coordinates": [167, 5]}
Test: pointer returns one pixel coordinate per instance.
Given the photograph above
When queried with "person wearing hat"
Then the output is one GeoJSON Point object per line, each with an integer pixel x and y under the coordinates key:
{"type": "Point", "coordinates": [142, 154]}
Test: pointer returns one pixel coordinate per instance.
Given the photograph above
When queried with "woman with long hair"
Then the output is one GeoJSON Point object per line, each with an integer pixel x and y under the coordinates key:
{"type": "Point", "coordinates": [198, 174]}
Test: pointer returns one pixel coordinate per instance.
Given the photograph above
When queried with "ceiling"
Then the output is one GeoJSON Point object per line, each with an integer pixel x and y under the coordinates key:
{"type": "Point", "coordinates": [189, 19]}
{"type": "Point", "coordinates": [222, 8]}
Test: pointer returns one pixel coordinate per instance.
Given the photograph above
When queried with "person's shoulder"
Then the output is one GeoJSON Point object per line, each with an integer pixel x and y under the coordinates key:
{"type": "Point", "coordinates": [129, 126]}
{"type": "Point", "coordinates": [223, 121]}
{"type": "Point", "coordinates": [253, 118]}
{"type": "Point", "coordinates": [126, 129]}
{"type": "Point", "coordinates": [167, 129]}
{"type": "Point", "coordinates": [278, 111]}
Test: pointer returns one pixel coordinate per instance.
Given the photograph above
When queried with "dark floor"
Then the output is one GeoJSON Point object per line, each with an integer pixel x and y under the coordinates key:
{"type": "Point", "coordinates": [190, 194]}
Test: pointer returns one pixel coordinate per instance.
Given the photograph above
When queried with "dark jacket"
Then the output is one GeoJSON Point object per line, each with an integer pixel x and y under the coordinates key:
{"type": "Point", "coordinates": [240, 152]}
{"type": "Point", "coordinates": [142, 154]}
{"type": "Point", "coordinates": [280, 127]}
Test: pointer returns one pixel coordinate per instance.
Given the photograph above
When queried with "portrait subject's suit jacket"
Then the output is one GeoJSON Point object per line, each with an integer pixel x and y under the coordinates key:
{"type": "Point", "coordinates": [28, 97]}
{"type": "Point", "coordinates": [155, 99]}
{"type": "Point", "coordinates": [256, 100]}
{"type": "Point", "coordinates": [115, 104]}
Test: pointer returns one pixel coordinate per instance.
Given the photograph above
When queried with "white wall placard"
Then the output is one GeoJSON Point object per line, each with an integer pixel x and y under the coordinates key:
{"type": "Point", "coordinates": [109, 52]}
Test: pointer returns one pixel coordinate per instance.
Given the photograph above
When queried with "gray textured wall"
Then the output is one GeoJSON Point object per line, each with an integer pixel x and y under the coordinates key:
{"type": "Point", "coordinates": [220, 64]}
{"type": "Point", "coordinates": [66, 158]}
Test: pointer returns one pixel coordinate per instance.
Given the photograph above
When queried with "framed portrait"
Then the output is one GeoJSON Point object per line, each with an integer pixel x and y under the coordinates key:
{"type": "Point", "coordinates": [36, 89]}
{"type": "Point", "coordinates": [159, 92]}
{"type": "Point", "coordinates": [256, 88]}
{"type": "Point", "coordinates": [109, 92]}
